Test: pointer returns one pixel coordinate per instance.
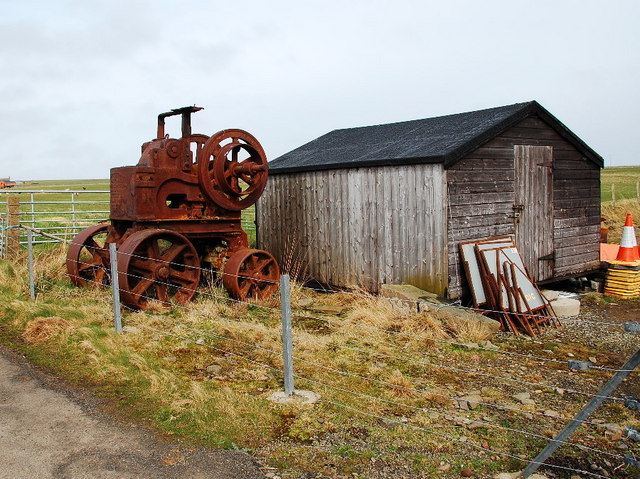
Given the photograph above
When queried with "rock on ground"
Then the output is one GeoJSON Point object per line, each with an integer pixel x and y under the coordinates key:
{"type": "Point", "coordinates": [566, 307]}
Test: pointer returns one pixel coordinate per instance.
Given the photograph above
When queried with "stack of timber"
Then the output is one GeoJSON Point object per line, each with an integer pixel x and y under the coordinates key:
{"type": "Point", "coordinates": [623, 279]}
{"type": "Point", "coordinates": [502, 287]}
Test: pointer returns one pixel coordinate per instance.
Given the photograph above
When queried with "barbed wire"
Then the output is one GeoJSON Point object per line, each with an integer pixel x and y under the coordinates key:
{"type": "Point", "coordinates": [463, 370]}
{"type": "Point", "coordinates": [382, 354]}
{"type": "Point", "coordinates": [450, 343]}
{"type": "Point", "coordinates": [429, 431]}
{"type": "Point", "coordinates": [407, 359]}
{"type": "Point", "coordinates": [454, 398]}
{"type": "Point", "coordinates": [438, 340]}
{"type": "Point", "coordinates": [454, 305]}
{"type": "Point", "coordinates": [394, 385]}
{"type": "Point", "coordinates": [366, 295]}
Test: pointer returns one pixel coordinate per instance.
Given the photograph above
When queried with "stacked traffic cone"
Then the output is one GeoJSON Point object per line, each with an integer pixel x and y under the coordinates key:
{"type": "Point", "coordinates": [623, 274]}
{"type": "Point", "coordinates": [628, 251]}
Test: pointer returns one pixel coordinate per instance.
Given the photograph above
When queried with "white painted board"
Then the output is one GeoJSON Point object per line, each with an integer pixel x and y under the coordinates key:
{"type": "Point", "coordinates": [468, 254]}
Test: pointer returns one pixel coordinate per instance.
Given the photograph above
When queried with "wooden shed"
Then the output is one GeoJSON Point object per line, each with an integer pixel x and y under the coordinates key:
{"type": "Point", "coordinates": [360, 207]}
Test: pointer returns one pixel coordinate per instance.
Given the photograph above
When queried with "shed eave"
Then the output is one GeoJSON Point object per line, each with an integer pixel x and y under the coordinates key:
{"type": "Point", "coordinates": [358, 164]}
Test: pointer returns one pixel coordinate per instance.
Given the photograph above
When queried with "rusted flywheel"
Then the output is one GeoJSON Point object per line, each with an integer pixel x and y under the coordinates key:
{"type": "Point", "coordinates": [251, 274]}
{"type": "Point", "coordinates": [157, 264]}
{"type": "Point", "coordinates": [88, 257]}
{"type": "Point", "coordinates": [232, 169]}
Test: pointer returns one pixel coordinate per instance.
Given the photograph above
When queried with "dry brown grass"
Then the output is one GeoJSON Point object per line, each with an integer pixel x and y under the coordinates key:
{"type": "Point", "coordinates": [616, 215]}
{"type": "Point", "coordinates": [400, 385]}
{"type": "Point", "coordinates": [295, 260]}
{"type": "Point", "coordinates": [464, 330]}
{"type": "Point", "coordinates": [51, 262]}
{"type": "Point", "coordinates": [383, 315]}
{"type": "Point", "coordinates": [42, 329]}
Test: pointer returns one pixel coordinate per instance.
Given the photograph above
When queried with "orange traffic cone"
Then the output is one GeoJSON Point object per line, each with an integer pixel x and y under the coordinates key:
{"type": "Point", "coordinates": [628, 245]}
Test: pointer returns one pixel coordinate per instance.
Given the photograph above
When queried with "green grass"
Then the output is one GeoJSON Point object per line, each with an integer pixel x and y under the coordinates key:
{"type": "Point", "coordinates": [624, 179]}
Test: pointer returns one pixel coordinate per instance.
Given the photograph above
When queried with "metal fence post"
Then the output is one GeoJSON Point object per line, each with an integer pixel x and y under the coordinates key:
{"type": "Point", "coordinates": [582, 416]}
{"type": "Point", "coordinates": [32, 286]}
{"type": "Point", "coordinates": [287, 339]}
{"type": "Point", "coordinates": [115, 286]}
{"type": "Point", "coordinates": [73, 212]}
{"type": "Point", "coordinates": [33, 211]}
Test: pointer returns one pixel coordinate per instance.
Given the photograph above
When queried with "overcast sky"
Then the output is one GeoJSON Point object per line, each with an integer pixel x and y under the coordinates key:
{"type": "Point", "coordinates": [82, 81]}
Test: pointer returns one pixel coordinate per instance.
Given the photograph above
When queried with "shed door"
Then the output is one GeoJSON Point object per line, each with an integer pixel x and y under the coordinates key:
{"type": "Point", "coordinates": [533, 208]}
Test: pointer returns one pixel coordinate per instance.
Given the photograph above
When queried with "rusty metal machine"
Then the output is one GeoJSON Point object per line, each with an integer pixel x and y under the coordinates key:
{"type": "Point", "coordinates": [176, 214]}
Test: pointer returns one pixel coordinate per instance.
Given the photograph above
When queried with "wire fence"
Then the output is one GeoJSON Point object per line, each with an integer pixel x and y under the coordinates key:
{"type": "Point", "coordinates": [367, 377]}
{"type": "Point", "coordinates": [64, 213]}
{"type": "Point", "coordinates": [61, 212]}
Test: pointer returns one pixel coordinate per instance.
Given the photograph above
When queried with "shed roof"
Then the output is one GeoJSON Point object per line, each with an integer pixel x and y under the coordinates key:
{"type": "Point", "coordinates": [443, 139]}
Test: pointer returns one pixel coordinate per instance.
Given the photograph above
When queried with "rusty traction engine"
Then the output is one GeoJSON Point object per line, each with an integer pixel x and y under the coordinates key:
{"type": "Point", "coordinates": [177, 211]}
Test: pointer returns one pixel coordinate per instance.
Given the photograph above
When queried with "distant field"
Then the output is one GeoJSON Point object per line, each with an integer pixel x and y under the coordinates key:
{"type": "Point", "coordinates": [64, 185]}
{"type": "Point", "coordinates": [51, 201]}
{"type": "Point", "coordinates": [624, 180]}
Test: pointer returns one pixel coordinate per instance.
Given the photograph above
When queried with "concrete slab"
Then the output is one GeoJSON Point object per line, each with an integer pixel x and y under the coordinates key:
{"type": "Point", "coordinates": [298, 396]}
{"type": "Point", "coordinates": [407, 291]}
{"type": "Point", "coordinates": [550, 294]}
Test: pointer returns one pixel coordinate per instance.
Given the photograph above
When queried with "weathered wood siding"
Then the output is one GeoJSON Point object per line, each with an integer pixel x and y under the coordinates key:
{"type": "Point", "coordinates": [481, 192]}
{"type": "Point", "coordinates": [359, 227]}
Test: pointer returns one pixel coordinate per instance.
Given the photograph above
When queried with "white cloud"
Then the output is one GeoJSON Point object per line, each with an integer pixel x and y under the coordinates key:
{"type": "Point", "coordinates": [81, 82]}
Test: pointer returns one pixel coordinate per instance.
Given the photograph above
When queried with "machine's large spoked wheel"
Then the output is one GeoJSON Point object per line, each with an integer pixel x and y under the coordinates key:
{"type": "Point", "coordinates": [251, 274]}
{"type": "Point", "coordinates": [88, 257]}
{"type": "Point", "coordinates": [157, 265]}
{"type": "Point", "coordinates": [233, 169]}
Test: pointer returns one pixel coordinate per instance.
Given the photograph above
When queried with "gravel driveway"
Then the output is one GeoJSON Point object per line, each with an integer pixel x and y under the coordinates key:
{"type": "Point", "coordinates": [48, 432]}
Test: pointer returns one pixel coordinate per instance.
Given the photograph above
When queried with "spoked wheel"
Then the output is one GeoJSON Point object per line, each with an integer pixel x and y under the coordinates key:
{"type": "Point", "coordinates": [157, 265]}
{"type": "Point", "coordinates": [251, 274]}
{"type": "Point", "coordinates": [88, 258]}
{"type": "Point", "coordinates": [233, 169]}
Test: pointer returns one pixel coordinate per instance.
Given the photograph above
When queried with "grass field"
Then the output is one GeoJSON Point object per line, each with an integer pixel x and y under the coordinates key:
{"type": "Point", "coordinates": [623, 179]}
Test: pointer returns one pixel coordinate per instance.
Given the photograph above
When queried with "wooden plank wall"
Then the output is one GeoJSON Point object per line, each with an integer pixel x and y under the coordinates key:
{"type": "Point", "coordinates": [359, 227]}
{"type": "Point", "coordinates": [481, 195]}
{"type": "Point", "coordinates": [481, 198]}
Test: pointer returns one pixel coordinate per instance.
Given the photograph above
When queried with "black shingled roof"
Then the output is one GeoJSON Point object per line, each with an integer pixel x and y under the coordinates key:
{"type": "Point", "coordinates": [443, 139]}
